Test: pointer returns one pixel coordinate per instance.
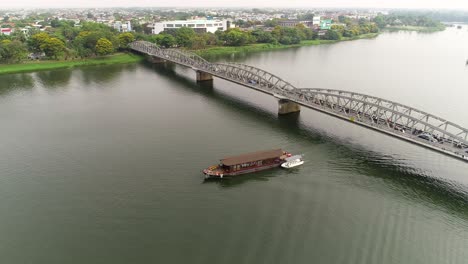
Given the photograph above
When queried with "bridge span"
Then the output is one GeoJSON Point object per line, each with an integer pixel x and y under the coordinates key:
{"type": "Point", "coordinates": [388, 117]}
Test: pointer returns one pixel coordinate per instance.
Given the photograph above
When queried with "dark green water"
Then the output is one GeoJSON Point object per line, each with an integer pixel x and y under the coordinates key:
{"type": "Point", "coordinates": [103, 164]}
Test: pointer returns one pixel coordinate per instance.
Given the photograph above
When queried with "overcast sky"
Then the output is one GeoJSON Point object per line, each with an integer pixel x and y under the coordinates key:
{"type": "Point", "coordinates": [438, 4]}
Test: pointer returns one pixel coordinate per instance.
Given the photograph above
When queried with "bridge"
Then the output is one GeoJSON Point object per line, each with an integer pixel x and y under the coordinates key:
{"type": "Point", "coordinates": [385, 116]}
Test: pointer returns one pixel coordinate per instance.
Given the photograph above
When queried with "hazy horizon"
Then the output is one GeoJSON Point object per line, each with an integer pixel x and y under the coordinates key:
{"type": "Point", "coordinates": [405, 4]}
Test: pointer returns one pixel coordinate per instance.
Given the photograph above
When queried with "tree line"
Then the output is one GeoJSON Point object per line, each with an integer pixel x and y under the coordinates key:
{"type": "Point", "coordinates": [63, 41]}
{"type": "Point", "coordinates": [188, 38]}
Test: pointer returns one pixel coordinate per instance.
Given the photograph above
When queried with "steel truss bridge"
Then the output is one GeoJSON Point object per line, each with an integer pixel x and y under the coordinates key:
{"type": "Point", "coordinates": [388, 117]}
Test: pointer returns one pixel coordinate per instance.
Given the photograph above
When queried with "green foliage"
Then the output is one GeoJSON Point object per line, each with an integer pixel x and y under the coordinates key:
{"type": "Point", "coordinates": [86, 41]}
{"type": "Point", "coordinates": [53, 47]}
{"type": "Point", "coordinates": [104, 47]}
{"type": "Point", "coordinates": [332, 35]}
{"type": "Point", "coordinates": [198, 42]}
{"type": "Point", "coordinates": [380, 21]}
{"type": "Point", "coordinates": [287, 36]}
{"type": "Point", "coordinates": [263, 36]}
{"type": "Point", "coordinates": [125, 39]}
{"type": "Point", "coordinates": [271, 23]}
{"type": "Point", "coordinates": [236, 37]}
{"type": "Point", "coordinates": [136, 26]}
{"type": "Point", "coordinates": [184, 36]}
{"type": "Point", "coordinates": [37, 40]}
{"type": "Point", "coordinates": [164, 40]}
{"type": "Point", "coordinates": [407, 18]}
{"type": "Point", "coordinates": [12, 51]}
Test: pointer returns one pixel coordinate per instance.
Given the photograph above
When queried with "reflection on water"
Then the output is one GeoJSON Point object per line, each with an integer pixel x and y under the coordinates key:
{"type": "Point", "coordinates": [61, 78]}
{"type": "Point", "coordinates": [12, 82]}
{"type": "Point", "coordinates": [400, 179]}
{"type": "Point", "coordinates": [54, 79]}
{"type": "Point", "coordinates": [95, 74]}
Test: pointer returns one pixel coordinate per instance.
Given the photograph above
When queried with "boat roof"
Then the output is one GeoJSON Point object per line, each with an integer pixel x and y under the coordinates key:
{"type": "Point", "coordinates": [254, 156]}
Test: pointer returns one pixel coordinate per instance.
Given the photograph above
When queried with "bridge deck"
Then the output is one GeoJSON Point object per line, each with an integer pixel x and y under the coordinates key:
{"type": "Point", "coordinates": [391, 118]}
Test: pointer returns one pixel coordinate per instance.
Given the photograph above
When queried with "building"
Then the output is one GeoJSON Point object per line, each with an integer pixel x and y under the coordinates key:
{"type": "Point", "coordinates": [198, 25]}
{"type": "Point", "coordinates": [123, 27]}
{"type": "Point", "coordinates": [293, 23]}
{"type": "Point", "coordinates": [316, 20]}
{"type": "Point", "coordinates": [6, 31]}
{"type": "Point", "coordinates": [325, 24]}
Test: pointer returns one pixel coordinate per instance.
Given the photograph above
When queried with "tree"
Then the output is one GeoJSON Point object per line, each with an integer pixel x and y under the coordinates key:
{"type": "Point", "coordinates": [198, 42]}
{"type": "Point", "coordinates": [235, 37]}
{"type": "Point", "coordinates": [263, 36]}
{"type": "Point", "coordinates": [53, 47]}
{"type": "Point", "coordinates": [163, 39]}
{"type": "Point", "coordinates": [104, 46]}
{"type": "Point", "coordinates": [145, 28]}
{"type": "Point", "coordinates": [12, 51]}
{"type": "Point", "coordinates": [37, 40]}
{"type": "Point", "coordinates": [271, 23]}
{"type": "Point", "coordinates": [184, 36]}
{"type": "Point", "coordinates": [332, 35]}
{"type": "Point", "coordinates": [125, 39]}
{"type": "Point", "coordinates": [338, 28]}
{"type": "Point", "coordinates": [136, 26]}
{"type": "Point", "coordinates": [380, 21]}
{"type": "Point", "coordinates": [55, 23]}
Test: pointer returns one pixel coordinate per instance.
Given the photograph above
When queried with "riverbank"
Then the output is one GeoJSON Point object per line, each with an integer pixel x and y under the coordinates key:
{"type": "Point", "coordinates": [417, 29]}
{"type": "Point", "coordinates": [227, 50]}
{"type": "Point", "coordinates": [119, 58]}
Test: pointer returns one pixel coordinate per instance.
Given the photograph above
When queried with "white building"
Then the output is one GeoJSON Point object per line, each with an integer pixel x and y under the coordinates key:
{"type": "Point", "coordinates": [198, 25]}
{"type": "Point", "coordinates": [316, 20]}
{"type": "Point", "coordinates": [123, 27]}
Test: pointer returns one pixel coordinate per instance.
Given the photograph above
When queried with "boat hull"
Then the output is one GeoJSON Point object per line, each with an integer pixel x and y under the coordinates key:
{"type": "Point", "coordinates": [286, 165]}
{"type": "Point", "coordinates": [209, 174]}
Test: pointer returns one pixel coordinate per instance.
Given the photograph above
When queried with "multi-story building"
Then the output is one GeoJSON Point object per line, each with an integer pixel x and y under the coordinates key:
{"type": "Point", "coordinates": [293, 23]}
{"type": "Point", "coordinates": [316, 20]}
{"type": "Point", "coordinates": [123, 27]}
{"type": "Point", "coordinates": [198, 25]}
{"type": "Point", "coordinates": [325, 24]}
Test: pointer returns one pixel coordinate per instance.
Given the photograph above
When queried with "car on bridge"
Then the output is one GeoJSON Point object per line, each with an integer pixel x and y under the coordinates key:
{"type": "Point", "coordinates": [428, 137]}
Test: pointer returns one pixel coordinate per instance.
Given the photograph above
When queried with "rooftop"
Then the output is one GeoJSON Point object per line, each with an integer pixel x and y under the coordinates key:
{"type": "Point", "coordinates": [191, 21]}
{"type": "Point", "coordinates": [254, 156]}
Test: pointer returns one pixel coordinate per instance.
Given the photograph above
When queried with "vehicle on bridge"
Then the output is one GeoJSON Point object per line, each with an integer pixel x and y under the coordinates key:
{"type": "Point", "coordinates": [428, 137]}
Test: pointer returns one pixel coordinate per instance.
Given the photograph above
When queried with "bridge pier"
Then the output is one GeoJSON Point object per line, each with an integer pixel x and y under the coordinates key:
{"type": "Point", "coordinates": [203, 76]}
{"type": "Point", "coordinates": [285, 107]}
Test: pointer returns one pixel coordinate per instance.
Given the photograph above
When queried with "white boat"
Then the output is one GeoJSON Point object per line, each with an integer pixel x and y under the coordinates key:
{"type": "Point", "coordinates": [292, 162]}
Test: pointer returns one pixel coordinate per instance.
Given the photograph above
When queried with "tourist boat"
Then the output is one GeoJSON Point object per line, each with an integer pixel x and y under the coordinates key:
{"type": "Point", "coordinates": [246, 163]}
{"type": "Point", "coordinates": [292, 162]}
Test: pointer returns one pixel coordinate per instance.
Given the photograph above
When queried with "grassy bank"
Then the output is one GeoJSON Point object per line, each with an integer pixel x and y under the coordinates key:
{"type": "Point", "coordinates": [415, 28]}
{"type": "Point", "coordinates": [227, 50]}
{"type": "Point", "coordinates": [119, 58]}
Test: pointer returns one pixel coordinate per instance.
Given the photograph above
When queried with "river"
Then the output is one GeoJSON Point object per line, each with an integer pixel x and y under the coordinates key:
{"type": "Point", "coordinates": [103, 164]}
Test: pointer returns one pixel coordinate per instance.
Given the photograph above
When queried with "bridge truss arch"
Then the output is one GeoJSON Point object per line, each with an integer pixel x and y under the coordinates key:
{"type": "Point", "coordinates": [386, 116]}
{"type": "Point", "coordinates": [254, 77]}
{"type": "Point", "coordinates": [384, 113]}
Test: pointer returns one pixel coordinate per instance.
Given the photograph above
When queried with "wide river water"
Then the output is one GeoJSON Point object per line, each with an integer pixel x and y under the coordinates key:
{"type": "Point", "coordinates": [103, 164]}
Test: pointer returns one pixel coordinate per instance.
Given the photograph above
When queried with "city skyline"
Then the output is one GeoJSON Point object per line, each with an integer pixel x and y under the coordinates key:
{"type": "Point", "coordinates": [411, 4]}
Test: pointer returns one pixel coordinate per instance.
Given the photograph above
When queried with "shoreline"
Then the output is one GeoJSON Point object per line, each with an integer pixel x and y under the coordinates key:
{"type": "Point", "coordinates": [414, 28]}
{"type": "Point", "coordinates": [228, 50]}
{"type": "Point", "coordinates": [214, 51]}
{"type": "Point", "coordinates": [32, 66]}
